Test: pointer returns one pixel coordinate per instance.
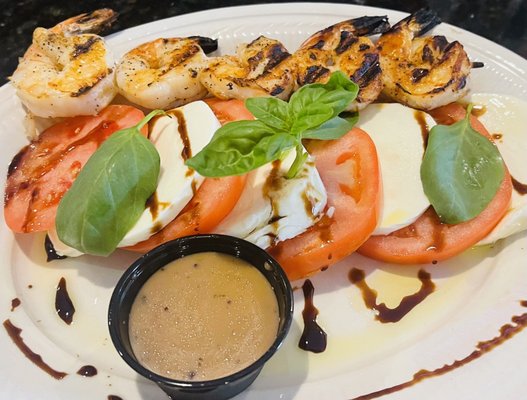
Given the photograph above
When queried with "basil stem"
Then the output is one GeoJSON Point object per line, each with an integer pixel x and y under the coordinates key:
{"type": "Point", "coordinates": [300, 158]}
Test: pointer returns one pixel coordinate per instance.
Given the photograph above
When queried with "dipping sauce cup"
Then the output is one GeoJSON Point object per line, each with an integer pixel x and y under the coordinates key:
{"type": "Point", "coordinates": [158, 259]}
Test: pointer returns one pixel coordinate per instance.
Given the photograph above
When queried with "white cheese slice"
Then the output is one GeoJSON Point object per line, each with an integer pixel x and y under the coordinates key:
{"type": "Point", "coordinates": [398, 133]}
{"type": "Point", "coordinates": [177, 136]}
{"type": "Point", "coordinates": [61, 248]}
{"type": "Point", "coordinates": [272, 208]}
{"type": "Point", "coordinates": [505, 117]}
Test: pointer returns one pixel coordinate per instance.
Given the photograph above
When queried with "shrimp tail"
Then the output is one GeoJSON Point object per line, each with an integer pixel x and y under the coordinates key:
{"type": "Point", "coordinates": [420, 22]}
{"type": "Point", "coordinates": [207, 44]}
{"type": "Point", "coordinates": [366, 26]}
{"type": "Point", "coordinates": [95, 22]}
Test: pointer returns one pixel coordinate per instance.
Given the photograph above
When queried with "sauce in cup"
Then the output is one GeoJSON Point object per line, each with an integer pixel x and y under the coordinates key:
{"type": "Point", "coordinates": [204, 316]}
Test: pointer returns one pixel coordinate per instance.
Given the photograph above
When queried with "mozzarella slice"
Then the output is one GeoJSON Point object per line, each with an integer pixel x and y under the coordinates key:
{"type": "Point", "coordinates": [177, 136]}
{"type": "Point", "coordinates": [61, 248]}
{"type": "Point", "coordinates": [398, 133]}
{"type": "Point", "coordinates": [273, 208]}
{"type": "Point", "coordinates": [505, 117]}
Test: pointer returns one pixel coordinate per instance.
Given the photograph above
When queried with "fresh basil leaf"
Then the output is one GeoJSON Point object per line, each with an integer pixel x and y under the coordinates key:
{"type": "Point", "coordinates": [310, 117]}
{"type": "Point", "coordinates": [332, 129]}
{"type": "Point", "coordinates": [239, 147]}
{"type": "Point", "coordinates": [312, 112]}
{"type": "Point", "coordinates": [461, 171]}
{"type": "Point", "coordinates": [109, 195]}
{"type": "Point", "coordinates": [315, 104]}
{"type": "Point", "coordinates": [337, 93]}
{"type": "Point", "coordinates": [270, 110]}
{"type": "Point", "coordinates": [338, 80]}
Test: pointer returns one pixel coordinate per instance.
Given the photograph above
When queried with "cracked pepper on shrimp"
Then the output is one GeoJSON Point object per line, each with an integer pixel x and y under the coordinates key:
{"type": "Point", "coordinates": [164, 73]}
{"type": "Point", "coordinates": [422, 72]}
{"type": "Point", "coordinates": [259, 68]}
{"type": "Point", "coordinates": [67, 70]}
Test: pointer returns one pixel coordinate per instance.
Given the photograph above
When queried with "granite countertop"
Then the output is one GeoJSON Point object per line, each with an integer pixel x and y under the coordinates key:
{"type": "Point", "coordinates": [503, 21]}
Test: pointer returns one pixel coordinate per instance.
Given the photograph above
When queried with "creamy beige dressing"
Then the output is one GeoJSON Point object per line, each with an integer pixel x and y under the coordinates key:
{"type": "Point", "coordinates": [202, 317]}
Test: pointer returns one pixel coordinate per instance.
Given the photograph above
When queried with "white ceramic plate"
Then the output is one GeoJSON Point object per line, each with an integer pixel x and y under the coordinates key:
{"type": "Point", "coordinates": [477, 293]}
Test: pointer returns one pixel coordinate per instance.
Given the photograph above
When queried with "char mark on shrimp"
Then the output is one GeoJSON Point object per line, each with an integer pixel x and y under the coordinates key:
{"type": "Point", "coordinates": [319, 45]}
{"type": "Point", "coordinates": [313, 73]}
{"type": "Point", "coordinates": [277, 54]}
{"type": "Point", "coordinates": [347, 39]}
{"type": "Point", "coordinates": [423, 72]}
{"type": "Point", "coordinates": [419, 73]}
{"type": "Point", "coordinates": [66, 71]}
{"type": "Point", "coordinates": [83, 48]}
{"type": "Point", "coordinates": [86, 88]}
{"type": "Point", "coordinates": [208, 45]}
{"type": "Point", "coordinates": [366, 26]}
{"type": "Point", "coordinates": [277, 90]}
{"type": "Point", "coordinates": [344, 47]}
{"type": "Point", "coordinates": [440, 42]}
{"type": "Point", "coordinates": [368, 70]}
{"type": "Point", "coordinates": [420, 22]}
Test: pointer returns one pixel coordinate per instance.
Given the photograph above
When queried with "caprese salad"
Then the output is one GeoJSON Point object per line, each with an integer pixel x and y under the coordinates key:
{"type": "Point", "coordinates": [310, 198]}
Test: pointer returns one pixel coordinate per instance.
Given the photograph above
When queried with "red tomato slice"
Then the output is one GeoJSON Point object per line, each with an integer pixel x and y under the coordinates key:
{"type": "Point", "coordinates": [214, 199]}
{"type": "Point", "coordinates": [427, 239]}
{"type": "Point", "coordinates": [44, 170]}
{"type": "Point", "coordinates": [229, 110]}
{"type": "Point", "coordinates": [349, 169]}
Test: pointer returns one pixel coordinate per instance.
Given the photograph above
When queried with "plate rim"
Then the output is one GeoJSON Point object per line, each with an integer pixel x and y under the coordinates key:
{"type": "Point", "coordinates": [7, 88]}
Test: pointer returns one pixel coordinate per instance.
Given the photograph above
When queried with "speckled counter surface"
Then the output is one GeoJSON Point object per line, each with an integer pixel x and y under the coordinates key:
{"type": "Point", "coordinates": [503, 21]}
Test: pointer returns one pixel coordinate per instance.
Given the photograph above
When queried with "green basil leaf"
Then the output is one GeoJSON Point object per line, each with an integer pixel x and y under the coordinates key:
{"type": "Point", "coordinates": [314, 104]}
{"type": "Point", "coordinates": [332, 129]}
{"type": "Point", "coordinates": [270, 110]}
{"type": "Point", "coordinates": [109, 195]}
{"type": "Point", "coordinates": [239, 147]}
{"type": "Point", "coordinates": [461, 171]}
{"type": "Point", "coordinates": [311, 117]}
{"type": "Point", "coordinates": [312, 112]}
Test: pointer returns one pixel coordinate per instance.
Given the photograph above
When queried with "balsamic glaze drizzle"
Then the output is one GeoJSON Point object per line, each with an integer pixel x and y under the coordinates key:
{"type": "Point", "coordinates": [51, 253]}
{"type": "Point", "coordinates": [521, 188]}
{"type": "Point", "coordinates": [313, 337]}
{"type": "Point", "coordinates": [407, 304]}
{"type": "Point", "coordinates": [507, 331]}
{"type": "Point", "coordinates": [15, 303]}
{"type": "Point", "coordinates": [63, 304]}
{"type": "Point", "coordinates": [87, 371]}
{"type": "Point", "coordinates": [15, 335]}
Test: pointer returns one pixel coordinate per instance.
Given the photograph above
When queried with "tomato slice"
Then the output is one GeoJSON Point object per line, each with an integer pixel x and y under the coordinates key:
{"type": "Point", "coordinates": [229, 110]}
{"type": "Point", "coordinates": [214, 199]}
{"type": "Point", "coordinates": [44, 170]}
{"type": "Point", "coordinates": [427, 239]}
{"type": "Point", "coordinates": [349, 169]}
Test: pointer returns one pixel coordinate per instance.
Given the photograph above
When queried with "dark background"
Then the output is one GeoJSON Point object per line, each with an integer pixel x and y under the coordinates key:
{"type": "Point", "coordinates": [503, 21]}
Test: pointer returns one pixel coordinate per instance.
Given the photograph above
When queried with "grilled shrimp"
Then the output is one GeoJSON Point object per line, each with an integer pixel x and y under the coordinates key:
{"type": "Point", "coordinates": [422, 72]}
{"type": "Point", "coordinates": [66, 71]}
{"type": "Point", "coordinates": [260, 68]}
{"type": "Point", "coordinates": [345, 47]}
{"type": "Point", "coordinates": [164, 73]}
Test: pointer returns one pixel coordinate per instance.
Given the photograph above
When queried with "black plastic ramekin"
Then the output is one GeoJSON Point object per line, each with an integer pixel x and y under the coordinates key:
{"type": "Point", "coordinates": [138, 273]}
